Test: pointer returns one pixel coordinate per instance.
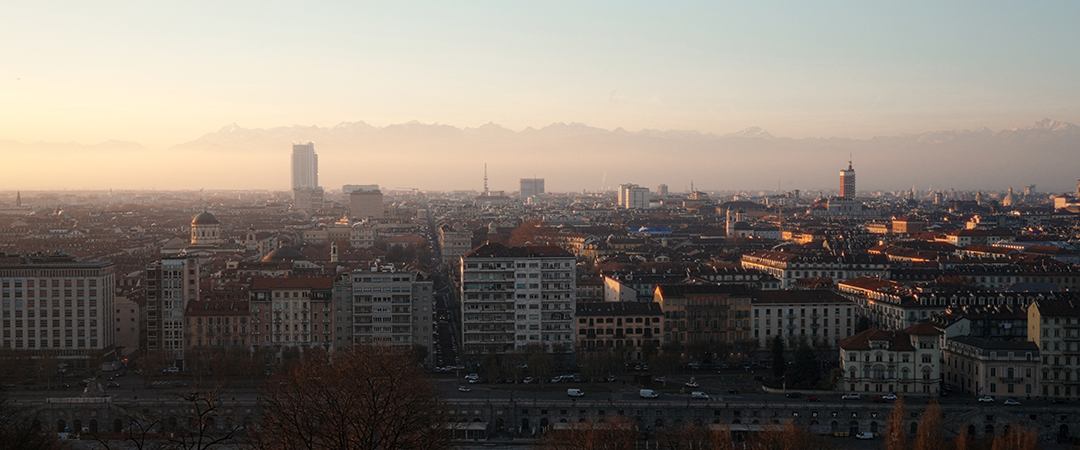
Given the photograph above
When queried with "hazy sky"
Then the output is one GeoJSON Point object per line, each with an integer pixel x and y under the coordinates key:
{"type": "Point", "coordinates": [161, 73]}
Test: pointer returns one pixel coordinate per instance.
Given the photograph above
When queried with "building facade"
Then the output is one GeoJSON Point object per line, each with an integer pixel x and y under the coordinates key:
{"type": "Point", "coordinates": [818, 317]}
{"type": "Point", "coordinates": [515, 296]}
{"type": "Point", "coordinates": [55, 306]}
{"type": "Point", "coordinates": [292, 312]}
{"type": "Point", "coordinates": [1055, 326]}
{"type": "Point", "coordinates": [366, 204]}
{"type": "Point", "coordinates": [632, 196]}
{"type": "Point", "coordinates": [453, 244]}
{"type": "Point", "coordinates": [981, 366]}
{"type": "Point", "coordinates": [621, 326]}
{"type": "Point", "coordinates": [896, 361]}
{"type": "Point", "coordinates": [705, 312]}
{"type": "Point", "coordinates": [170, 284]}
{"type": "Point", "coordinates": [847, 182]}
{"type": "Point", "coordinates": [384, 305]}
{"type": "Point", "coordinates": [305, 166]}
{"type": "Point", "coordinates": [531, 187]}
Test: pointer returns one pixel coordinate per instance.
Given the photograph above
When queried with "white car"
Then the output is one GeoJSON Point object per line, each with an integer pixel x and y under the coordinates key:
{"type": "Point", "coordinates": [698, 395]}
{"type": "Point", "coordinates": [1012, 402]}
{"type": "Point", "coordinates": [864, 435]}
{"type": "Point", "coordinates": [464, 389]}
{"type": "Point", "coordinates": [851, 396]}
{"type": "Point", "coordinates": [986, 399]}
{"type": "Point", "coordinates": [889, 396]}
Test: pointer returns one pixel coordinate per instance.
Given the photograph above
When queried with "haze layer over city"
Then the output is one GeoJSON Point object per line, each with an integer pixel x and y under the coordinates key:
{"type": "Point", "coordinates": [547, 226]}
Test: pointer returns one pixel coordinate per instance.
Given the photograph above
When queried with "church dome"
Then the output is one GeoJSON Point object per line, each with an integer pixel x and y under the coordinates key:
{"type": "Point", "coordinates": [284, 254]}
{"type": "Point", "coordinates": [205, 218]}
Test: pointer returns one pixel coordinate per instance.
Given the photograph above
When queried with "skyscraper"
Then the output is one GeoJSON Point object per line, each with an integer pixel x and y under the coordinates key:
{"type": "Point", "coordinates": [531, 187]}
{"type": "Point", "coordinates": [307, 194]}
{"type": "Point", "coordinates": [305, 166]}
{"type": "Point", "coordinates": [847, 182]}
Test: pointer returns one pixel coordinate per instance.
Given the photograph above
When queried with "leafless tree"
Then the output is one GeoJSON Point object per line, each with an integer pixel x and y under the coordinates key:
{"type": "Point", "coordinates": [895, 434]}
{"type": "Point", "coordinates": [930, 434]}
{"type": "Point", "coordinates": [366, 398]}
{"type": "Point", "coordinates": [205, 425]}
{"type": "Point", "coordinates": [20, 429]}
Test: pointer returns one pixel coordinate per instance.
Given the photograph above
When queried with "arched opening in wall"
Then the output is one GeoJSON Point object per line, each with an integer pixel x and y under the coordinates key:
{"type": "Point", "coordinates": [988, 431]}
{"type": "Point", "coordinates": [544, 422]}
{"type": "Point", "coordinates": [1063, 433]}
{"type": "Point", "coordinates": [914, 428]}
{"type": "Point", "coordinates": [853, 427]}
{"type": "Point", "coordinates": [524, 425]}
{"type": "Point", "coordinates": [873, 427]}
{"type": "Point", "coordinates": [93, 426]}
{"type": "Point", "coordinates": [499, 424]}
{"type": "Point", "coordinates": [697, 422]}
{"type": "Point", "coordinates": [972, 430]}
{"type": "Point", "coordinates": [61, 426]}
{"type": "Point", "coordinates": [118, 426]}
{"type": "Point", "coordinates": [1005, 431]}
{"type": "Point", "coordinates": [76, 426]}
{"type": "Point", "coordinates": [834, 426]}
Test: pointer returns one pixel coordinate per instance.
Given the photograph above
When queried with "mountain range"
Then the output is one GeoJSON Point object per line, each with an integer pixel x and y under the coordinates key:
{"type": "Point", "coordinates": [575, 156]}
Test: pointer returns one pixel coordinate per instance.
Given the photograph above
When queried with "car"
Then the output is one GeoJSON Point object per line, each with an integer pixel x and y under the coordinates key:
{"type": "Point", "coordinates": [179, 384]}
{"type": "Point", "coordinates": [692, 366]}
{"type": "Point", "coordinates": [113, 384]}
{"type": "Point", "coordinates": [850, 396]}
{"type": "Point", "coordinates": [691, 384]}
{"type": "Point", "coordinates": [1012, 402]}
{"type": "Point", "coordinates": [660, 379]}
{"type": "Point", "coordinates": [698, 395]}
{"type": "Point", "coordinates": [733, 391]}
{"type": "Point", "coordinates": [986, 399]}
{"type": "Point", "coordinates": [472, 376]}
{"type": "Point", "coordinates": [575, 392]}
{"type": "Point", "coordinates": [794, 395]}
{"type": "Point", "coordinates": [464, 389]}
{"type": "Point", "coordinates": [889, 397]}
{"type": "Point", "coordinates": [173, 369]}
{"type": "Point", "coordinates": [529, 380]}
{"type": "Point", "coordinates": [813, 399]}
{"type": "Point", "coordinates": [864, 435]}
{"type": "Point", "coordinates": [878, 399]}
{"type": "Point", "coordinates": [648, 393]}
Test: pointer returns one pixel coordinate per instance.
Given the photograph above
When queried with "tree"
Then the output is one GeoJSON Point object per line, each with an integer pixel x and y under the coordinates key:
{"type": "Point", "coordinates": [206, 423]}
{"type": "Point", "coordinates": [617, 434]}
{"type": "Point", "coordinates": [806, 374]}
{"type": "Point", "coordinates": [778, 363]}
{"type": "Point", "coordinates": [648, 349]}
{"type": "Point", "coordinates": [1016, 438]}
{"type": "Point", "coordinates": [539, 362]}
{"type": "Point", "coordinates": [700, 351]}
{"type": "Point", "coordinates": [365, 398]}
{"type": "Point", "coordinates": [930, 434]}
{"type": "Point", "coordinates": [895, 434]}
{"type": "Point", "coordinates": [419, 353]}
{"type": "Point", "coordinates": [489, 366]}
{"type": "Point", "coordinates": [962, 441]}
{"type": "Point", "coordinates": [21, 429]}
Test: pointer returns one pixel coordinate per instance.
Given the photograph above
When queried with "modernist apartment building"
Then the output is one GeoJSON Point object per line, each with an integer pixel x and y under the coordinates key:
{"type": "Point", "coordinates": [515, 296]}
{"type": "Point", "coordinates": [818, 317]}
{"type": "Point", "coordinates": [621, 326]}
{"type": "Point", "coordinates": [632, 196]}
{"type": "Point", "coordinates": [991, 367]}
{"type": "Point", "coordinates": [453, 244]}
{"type": "Point", "coordinates": [1055, 326]}
{"type": "Point", "coordinates": [54, 306]}
{"type": "Point", "coordinates": [384, 305]}
{"type": "Point", "coordinates": [705, 312]}
{"type": "Point", "coordinates": [170, 284]}
{"type": "Point", "coordinates": [896, 361]}
{"type": "Point", "coordinates": [291, 312]}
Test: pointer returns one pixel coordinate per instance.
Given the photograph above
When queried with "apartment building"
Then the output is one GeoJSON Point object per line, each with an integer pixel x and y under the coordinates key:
{"type": "Point", "coordinates": [981, 366]}
{"type": "Point", "coordinates": [1055, 326]}
{"type": "Point", "coordinates": [621, 326]}
{"type": "Point", "coordinates": [894, 361]}
{"type": "Point", "coordinates": [55, 306]}
{"type": "Point", "coordinates": [385, 305]}
{"type": "Point", "coordinates": [170, 284]}
{"type": "Point", "coordinates": [292, 312]}
{"type": "Point", "coordinates": [705, 312]}
{"type": "Point", "coordinates": [515, 296]}
{"type": "Point", "coordinates": [818, 317]}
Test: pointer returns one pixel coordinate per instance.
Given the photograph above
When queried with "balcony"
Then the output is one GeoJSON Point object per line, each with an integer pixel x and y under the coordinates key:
{"type": "Point", "coordinates": [815, 324]}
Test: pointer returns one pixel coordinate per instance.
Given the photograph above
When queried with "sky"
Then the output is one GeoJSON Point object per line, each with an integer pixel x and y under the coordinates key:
{"type": "Point", "coordinates": [163, 73]}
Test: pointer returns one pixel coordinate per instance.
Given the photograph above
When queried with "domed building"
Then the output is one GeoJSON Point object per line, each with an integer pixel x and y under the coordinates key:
{"type": "Point", "coordinates": [205, 229]}
{"type": "Point", "coordinates": [284, 254]}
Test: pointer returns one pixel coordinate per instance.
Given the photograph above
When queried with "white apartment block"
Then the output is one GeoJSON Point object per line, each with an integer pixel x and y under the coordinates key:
{"type": "Point", "coordinates": [897, 361]}
{"type": "Point", "coordinates": [515, 296]}
{"type": "Point", "coordinates": [454, 243]}
{"type": "Point", "coordinates": [55, 306]}
{"type": "Point", "coordinates": [170, 284]}
{"type": "Point", "coordinates": [632, 196]}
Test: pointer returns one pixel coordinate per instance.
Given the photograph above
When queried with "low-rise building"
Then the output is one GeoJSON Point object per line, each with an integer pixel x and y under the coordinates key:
{"type": "Point", "coordinates": [991, 367]}
{"type": "Point", "coordinates": [894, 361]}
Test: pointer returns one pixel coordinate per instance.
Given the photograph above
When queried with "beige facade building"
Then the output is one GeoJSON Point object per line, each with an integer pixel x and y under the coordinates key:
{"type": "Point", "coordinates": [366, 205]}
{"type": "Point", "coordinates": [896, 361]}
{"type": "Point", "coordinates": [991, 367]}
{"type": "Point", "coordinates": [818, 317]}
{"type": "Point", "coordinates": [1055, 326]}
{"type": "Point", "coordinates": [291, 312]}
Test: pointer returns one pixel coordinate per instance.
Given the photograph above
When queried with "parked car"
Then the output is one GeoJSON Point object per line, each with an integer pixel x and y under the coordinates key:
{"type": "Point", "coordinates": [611, 378]}
{"type": "Point", "coordinates": [692, 383]}
{"type": "Point", "coordinates": [851, 396]}
{"type": "Point", "coordinates": [575, 392]}
{"type": "Point", "coordinates": [986, 399]}
{"type": "Point", "coordinates": [1012, 402]}
{"type": "Point", "coordinates": [699, 395]}
{"type": "Point", "coordinates": [733, 391]}
{"type": "Point", "coordinates": [464, 389]}
{"type": "Point", "coordinates": [529, 380]}
{"type": "Point", "coordinates": [889, 397]}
